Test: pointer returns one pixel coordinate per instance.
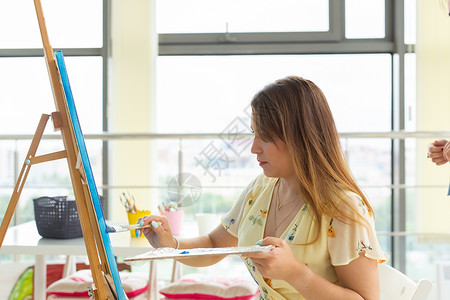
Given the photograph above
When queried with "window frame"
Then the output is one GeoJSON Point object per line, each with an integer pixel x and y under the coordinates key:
{"type": "Point", "coordinates": [332, 41]}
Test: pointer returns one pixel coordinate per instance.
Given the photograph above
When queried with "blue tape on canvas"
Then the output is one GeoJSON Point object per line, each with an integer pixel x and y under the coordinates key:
{"type": "Point", "coordinates": [89, 175]}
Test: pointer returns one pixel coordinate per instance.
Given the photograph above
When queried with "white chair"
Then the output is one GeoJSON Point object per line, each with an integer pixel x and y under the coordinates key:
{"type": "Point", "coordinates": [397, 286]}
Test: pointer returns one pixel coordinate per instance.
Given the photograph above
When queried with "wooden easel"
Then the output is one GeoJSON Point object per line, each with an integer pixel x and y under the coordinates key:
{"type": "Point", "coordinates": [107, 285]}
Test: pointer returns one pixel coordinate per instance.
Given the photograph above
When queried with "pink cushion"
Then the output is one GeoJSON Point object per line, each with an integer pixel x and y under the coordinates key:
{"type": "Point", "coordinates": [198, 286]}
{"type": "Point", "coordinates": [77, 284]}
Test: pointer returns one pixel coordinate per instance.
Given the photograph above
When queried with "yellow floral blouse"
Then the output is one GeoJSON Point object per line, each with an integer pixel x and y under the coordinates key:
{"type": "Point", "coordinates": [338, 244]}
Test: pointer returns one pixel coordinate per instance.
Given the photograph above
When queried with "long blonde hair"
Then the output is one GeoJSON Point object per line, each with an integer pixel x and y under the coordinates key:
{"type": "Point", "coordinates": [296, 111]}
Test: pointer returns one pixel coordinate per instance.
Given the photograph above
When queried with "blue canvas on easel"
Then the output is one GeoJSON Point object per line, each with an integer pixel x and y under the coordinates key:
{"type": "Point", "coordinates": [89, 175]}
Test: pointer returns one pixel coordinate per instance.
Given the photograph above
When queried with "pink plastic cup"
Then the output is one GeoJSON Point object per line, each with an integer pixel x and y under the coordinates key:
{"type": "Point", "coordinates": [175, 218]}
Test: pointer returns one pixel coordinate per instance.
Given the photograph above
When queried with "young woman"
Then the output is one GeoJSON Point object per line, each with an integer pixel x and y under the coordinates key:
{"type": "Point", "coordinates": [306, 203]}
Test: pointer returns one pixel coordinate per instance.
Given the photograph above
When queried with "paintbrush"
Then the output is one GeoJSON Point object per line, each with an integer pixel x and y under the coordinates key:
{"type": "Point", "coordinates": [122, 228]}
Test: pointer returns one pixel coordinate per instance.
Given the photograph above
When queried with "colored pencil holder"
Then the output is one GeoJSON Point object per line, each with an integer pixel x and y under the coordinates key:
{"type": "Point", "coordinates": [133, 218]}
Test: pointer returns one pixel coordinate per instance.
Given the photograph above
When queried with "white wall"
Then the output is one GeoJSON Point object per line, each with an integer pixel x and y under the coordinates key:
{"type": "Point", "coordinates": [433, 109]}
{"type": "Point", "coordinates": [130, 108]}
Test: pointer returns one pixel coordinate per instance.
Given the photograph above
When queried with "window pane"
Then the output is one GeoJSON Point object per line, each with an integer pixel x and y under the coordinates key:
{"type": "Point", "coordinates": [70, 24]}
{"type": "Point", "coordinates": [410, 21]}
{"type": "Point", "coordinates": [26, 93]}
{"type": "Point", "coordinates": [370, 162]}
{"type": "Point", "coordinates": [215, 90]}
{"type": "Point", "coordinates": [51, 178]}
{"type": "Point", "coordinates": [410, 92]}
{"type": "Point", "coordinates": [364, 19]}
{"type": "Point", "coordinates": [424, 211]}
{"type": "Point", "coordinates": [426, 206]}
{"type": "Point", "coordinates": [180, 16]}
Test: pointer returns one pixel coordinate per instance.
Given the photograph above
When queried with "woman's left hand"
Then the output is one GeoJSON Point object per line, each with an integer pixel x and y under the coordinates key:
{"type": "Point", "coordinates": [276, 264]}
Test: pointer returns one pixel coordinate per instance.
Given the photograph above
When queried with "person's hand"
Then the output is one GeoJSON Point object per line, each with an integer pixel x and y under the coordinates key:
{"type": "Point", "coordinates": [159, 233]}
{"type": "Point", "coordinates": [277, 263]}
{"type": "Point", "coordinates": [446, 151]}
{"type": "Point", "coordinates": [439, 152]}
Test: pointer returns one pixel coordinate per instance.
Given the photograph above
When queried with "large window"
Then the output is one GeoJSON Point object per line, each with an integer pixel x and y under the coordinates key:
{"type": "Point", "coordinates": [211, 61]}
{"type": "Point", "coordinates": [25, 92]}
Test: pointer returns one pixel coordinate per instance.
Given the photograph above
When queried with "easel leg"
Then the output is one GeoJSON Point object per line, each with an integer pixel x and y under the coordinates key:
{"type": "Point", "coordinates": [22, 177]}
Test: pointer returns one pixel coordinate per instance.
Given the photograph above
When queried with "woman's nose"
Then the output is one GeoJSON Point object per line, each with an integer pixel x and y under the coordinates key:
{"type": "Point", "coordinates": [255, 147]}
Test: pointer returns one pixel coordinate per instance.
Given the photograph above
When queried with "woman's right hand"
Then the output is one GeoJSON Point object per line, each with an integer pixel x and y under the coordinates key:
{"type": "Point", "coordinates": [159, 233]}
{"type": "Point", "coordinates": [438, 151]}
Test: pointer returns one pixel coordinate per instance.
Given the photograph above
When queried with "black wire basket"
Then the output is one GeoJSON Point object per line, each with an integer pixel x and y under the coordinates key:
{"type": "Point", "coordinates": [57, 217]}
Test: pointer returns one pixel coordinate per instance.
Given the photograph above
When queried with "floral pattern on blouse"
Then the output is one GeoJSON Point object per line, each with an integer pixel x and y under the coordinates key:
{"type": "Point", "coordinates": [251, 200]}
{"type": "Point", "coordinates": [365, 209]}
{"type": "Point", "coordinates": [362, 247]}
{"type": "Point", "coordinates": [330, 232]}
{"type": "Point", "coordinates": [259, 218]}
{"type": "Point", "coordinates": [291, 235]}
{"type": "Point", "coordinates": [228, 222]}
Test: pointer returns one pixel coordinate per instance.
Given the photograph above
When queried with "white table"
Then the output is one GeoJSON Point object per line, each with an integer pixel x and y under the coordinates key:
{"type": "Point", "coordinates": [25, 239]}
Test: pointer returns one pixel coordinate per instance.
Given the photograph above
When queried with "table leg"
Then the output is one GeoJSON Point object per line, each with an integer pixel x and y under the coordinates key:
{"type": "Point", "coordinates": [177, 271]}
{"type": "Point", "coordinates": [153, 289]}
{"type": "Point", "coordinates": [40, 278]}
{"type": "Point", "coordinates": [70, 266]}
